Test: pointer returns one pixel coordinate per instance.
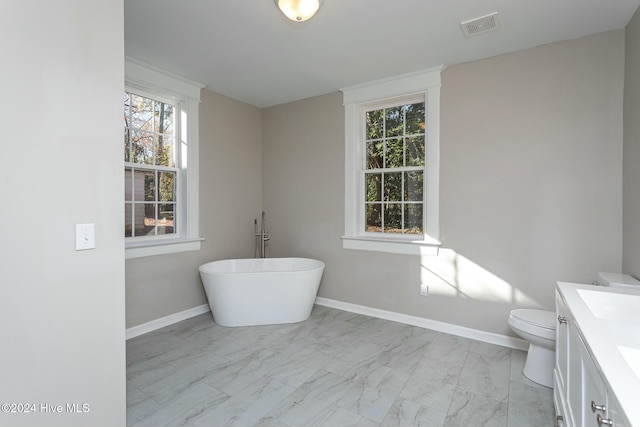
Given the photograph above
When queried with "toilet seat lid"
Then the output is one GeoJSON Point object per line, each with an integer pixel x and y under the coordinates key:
{"type": "Point", "coordinates": [541, 318]}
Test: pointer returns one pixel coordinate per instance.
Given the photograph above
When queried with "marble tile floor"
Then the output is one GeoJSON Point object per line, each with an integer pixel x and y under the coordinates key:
{"type": "Point", "coordinates": [335, 369]}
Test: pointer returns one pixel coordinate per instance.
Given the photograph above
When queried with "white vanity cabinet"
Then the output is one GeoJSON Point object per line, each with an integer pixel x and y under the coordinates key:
{"type": "Point", "coordinates": [581, 395]}
{"type": "Point", "coordinates": [567, 388]}
{"type": "Point", "coordinates": [601, 407]}
{"type": "Point", "coordinates": [594, 408]}
{"type": "Point", "coordinates": [564, 415]}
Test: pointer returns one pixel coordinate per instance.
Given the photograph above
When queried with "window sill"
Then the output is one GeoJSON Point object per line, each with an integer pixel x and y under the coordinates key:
{"type": "Point", "coordinates": [428, 246]}
{"type": "Point", "coordinates": [161, 247]}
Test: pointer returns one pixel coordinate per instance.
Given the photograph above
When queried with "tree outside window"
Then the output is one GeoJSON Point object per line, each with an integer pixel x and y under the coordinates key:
{"type": "Point", "coordinates": [394, 169]}
{"type": "Point", "coordinates": [150, 166]}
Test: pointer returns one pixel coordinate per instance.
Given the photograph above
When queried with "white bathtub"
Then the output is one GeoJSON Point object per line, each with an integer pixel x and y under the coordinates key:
{"type": "Point", "coordinates": [261, 291]}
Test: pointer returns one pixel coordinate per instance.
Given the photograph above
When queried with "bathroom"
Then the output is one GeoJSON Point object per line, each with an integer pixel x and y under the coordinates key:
{"type": "Point", "coordinates": [516, 195]}
{"type": "Point", "coordinates": [538, 186]}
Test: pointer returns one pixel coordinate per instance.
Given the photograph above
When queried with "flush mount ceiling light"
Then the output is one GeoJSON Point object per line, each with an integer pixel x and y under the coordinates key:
{"type": "Point", "coordinates": [298, 10]}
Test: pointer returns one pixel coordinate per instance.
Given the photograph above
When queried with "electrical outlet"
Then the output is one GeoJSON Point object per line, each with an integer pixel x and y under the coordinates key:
{"type": "Point", "coordinates": [424, 290]}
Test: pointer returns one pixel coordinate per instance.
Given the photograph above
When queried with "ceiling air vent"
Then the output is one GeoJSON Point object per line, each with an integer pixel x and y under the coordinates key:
{"type": "Point", "coordinates": [481, 25]}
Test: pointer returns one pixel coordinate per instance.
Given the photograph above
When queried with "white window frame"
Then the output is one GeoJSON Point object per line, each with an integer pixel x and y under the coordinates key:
{"type": "Point", "coordinates": [357, 99]}
{"type": "Point", "coordinates": [185, 95]}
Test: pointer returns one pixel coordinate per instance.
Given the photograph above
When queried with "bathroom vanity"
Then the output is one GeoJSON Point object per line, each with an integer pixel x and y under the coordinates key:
{"type": "Point", "coordinates": [597, 371]}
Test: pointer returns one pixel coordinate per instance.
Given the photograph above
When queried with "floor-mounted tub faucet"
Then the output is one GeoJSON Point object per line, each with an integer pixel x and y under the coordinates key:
{"type": "Point", "coordinates": [261, 236]}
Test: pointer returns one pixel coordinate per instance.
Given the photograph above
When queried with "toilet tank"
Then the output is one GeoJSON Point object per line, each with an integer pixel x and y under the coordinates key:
{"type": "Point", "coordinates": [616, 280]}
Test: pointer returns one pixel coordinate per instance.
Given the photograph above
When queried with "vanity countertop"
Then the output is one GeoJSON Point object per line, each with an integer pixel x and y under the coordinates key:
{"type": "Point", "coordinates": [611, 332]}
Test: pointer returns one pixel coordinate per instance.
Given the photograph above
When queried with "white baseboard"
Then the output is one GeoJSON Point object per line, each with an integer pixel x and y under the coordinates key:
{"type": "Point", "coordinates": [461, 331]}
{"type": "Point", "coordinates": [134, 331]}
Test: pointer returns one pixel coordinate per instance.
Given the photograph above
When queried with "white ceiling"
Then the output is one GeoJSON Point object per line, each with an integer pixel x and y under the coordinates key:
{"type": "Point", "coordinates": [247, 50]}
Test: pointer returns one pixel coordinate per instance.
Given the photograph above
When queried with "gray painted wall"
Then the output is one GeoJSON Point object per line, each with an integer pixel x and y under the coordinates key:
{"type": "Point", "coordinates": [631, 195]}
{"type": "Point", "coordinates": [531, 187]}
{"type": "Point", "coordinates": [62, 311]}
{"type": "Point", "coordinates": [230, 199]}
{"type": "Point", "coordinates": [531, 149]}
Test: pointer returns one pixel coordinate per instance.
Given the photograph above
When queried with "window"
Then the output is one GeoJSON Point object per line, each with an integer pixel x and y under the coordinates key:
{"type": "Point", "coordinates": [391, 164]}
{"type": "Point", "coordinates": [160, 162]}
{"type": "Point", "coordinates": [150, 171]}
{"type": "Point", "coordinates": [394, 168]}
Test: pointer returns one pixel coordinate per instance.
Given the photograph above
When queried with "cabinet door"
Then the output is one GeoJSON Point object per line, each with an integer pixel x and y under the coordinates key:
{"type": "Point", "coordinates": [595, 393]}
{"type": "Point", "coordinates": [561, 366]}
{"type": "Point", "coordinates": [562, 358]}
{"type": "Point", "coordinates": [575, 396]}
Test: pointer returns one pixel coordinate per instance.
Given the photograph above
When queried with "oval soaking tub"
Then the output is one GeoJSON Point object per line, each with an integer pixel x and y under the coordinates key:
{"type": "Point", "coordinates": [261, 291]}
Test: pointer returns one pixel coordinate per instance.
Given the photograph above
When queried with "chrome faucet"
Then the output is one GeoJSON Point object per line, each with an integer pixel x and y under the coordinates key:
{"type": "Point", "coordinates": [261, 237]}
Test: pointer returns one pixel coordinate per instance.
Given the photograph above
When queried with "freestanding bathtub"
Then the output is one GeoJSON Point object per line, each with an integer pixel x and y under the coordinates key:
{"type": "Point", "coordinates": [261, 291]}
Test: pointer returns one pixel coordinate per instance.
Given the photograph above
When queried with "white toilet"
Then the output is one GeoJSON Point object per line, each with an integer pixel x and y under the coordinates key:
{"type": "Point", "coordinates": [539, 328]}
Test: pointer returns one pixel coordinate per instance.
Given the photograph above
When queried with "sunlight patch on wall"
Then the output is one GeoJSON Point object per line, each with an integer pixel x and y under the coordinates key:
{"type": "Point", "coordinates": [451, 274]}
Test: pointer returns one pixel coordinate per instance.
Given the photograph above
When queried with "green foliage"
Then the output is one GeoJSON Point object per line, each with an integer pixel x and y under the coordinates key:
{"type": "Point", "coordinates": [395, 140]}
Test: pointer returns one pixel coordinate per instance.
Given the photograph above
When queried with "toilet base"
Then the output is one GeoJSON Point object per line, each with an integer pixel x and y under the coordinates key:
{"type": "Point", "coordinates": [539, 365]}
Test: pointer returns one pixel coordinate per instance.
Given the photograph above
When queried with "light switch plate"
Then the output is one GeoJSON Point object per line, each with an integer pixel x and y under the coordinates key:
{"type": "Point", "coordinates": [85, 237]}
{"type": "Point", "coordinates": [424, 289]}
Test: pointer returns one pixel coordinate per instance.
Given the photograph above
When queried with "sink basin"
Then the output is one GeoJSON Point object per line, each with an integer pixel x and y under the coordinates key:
{"type": "Point", "coordinates": [612, 306]}
{"type": "Point", "coordinates": [632, 357]}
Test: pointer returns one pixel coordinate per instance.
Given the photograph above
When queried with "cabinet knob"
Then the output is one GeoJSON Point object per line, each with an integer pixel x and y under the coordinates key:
{"type": "Point", "coordinates": [595, 407]}
{"type": "Point", "coordinates": [562, 320]}
{"type": "Point", "coordinates": [603, 421]}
